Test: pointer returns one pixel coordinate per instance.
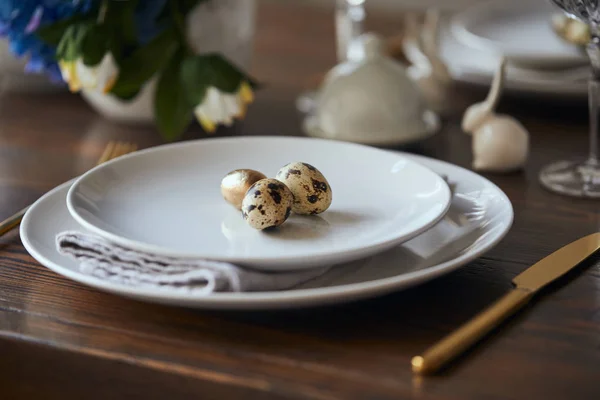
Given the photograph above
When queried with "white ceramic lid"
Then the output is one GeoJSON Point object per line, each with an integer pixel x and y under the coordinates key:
{"type": "Point", "coordinates": [371, 101]}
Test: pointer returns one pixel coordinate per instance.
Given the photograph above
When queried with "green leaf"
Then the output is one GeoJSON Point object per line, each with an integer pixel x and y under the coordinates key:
{"type": "Point", "coordinates": [173, 112]}
{"type": "Point", "coordinates": [53, 33]}
{"type": "Point", "coordinates": [127, 96]}
{"type": "Point", "coordinates": [117, 48]}
{"type": "Point", "coordinates": [144, 63]}
{"type": "Point", "coordinates": [186, 6]}
{"type": "Point", "coordinates": [191, 78]}
{"type": "Point", "coordinates": [183, 6]}
{"type": "Point", "coordinates": [95, 44]}
{"type": "Point", "coordinates": [120, 16]}
{"type": "Point", "coordinates": [200, 72]}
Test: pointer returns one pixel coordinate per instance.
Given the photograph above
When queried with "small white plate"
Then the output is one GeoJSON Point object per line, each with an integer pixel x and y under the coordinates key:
{"type": "Point", "coordinates": [519, 29]}
{"type": "Point", "coordinates": [167, 200]}
{"type": "Point", "coordinates": [479, 217]}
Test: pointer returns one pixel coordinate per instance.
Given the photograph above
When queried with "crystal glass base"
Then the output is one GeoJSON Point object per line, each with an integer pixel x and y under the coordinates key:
{"type": "Point", "coordinates": [573, 178]}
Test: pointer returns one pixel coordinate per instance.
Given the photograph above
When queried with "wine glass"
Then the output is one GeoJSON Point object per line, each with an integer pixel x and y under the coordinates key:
{"type": "Point", "coordinates": [349, 18]}
{"type": "Point", "coordinates": [582, 178]}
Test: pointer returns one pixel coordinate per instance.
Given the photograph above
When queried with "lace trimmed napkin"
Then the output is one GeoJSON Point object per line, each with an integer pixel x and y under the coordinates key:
{"type": "Point", "coordinates": [106, 260]}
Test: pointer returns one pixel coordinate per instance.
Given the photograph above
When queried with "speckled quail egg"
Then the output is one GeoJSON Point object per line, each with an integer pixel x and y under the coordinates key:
{"type": "Point", "coordinates": [312, 193]}
{"type": "Point", "coordinates": [236, 183]}
{"type": "Point", "coordinates": [268, 203]}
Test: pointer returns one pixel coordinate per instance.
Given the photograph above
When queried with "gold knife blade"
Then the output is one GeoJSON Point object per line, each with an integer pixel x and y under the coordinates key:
{"type": "Point", "coordinates": [527, 284]}
{"type": "Point", "coordinates": [558, 263]}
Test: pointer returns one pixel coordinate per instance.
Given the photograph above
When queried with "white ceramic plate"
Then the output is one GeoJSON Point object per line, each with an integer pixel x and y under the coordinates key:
{"type": "Point", "coordinates": [479, 217]}
{"type": "Point", "coordinates": [167, 201]}
{"type": "Point", "coordinates": [520, 29]}
{"type": "Point", "coordinates": [472, 66]}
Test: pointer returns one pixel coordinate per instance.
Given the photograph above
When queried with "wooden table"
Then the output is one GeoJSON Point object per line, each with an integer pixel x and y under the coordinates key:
{"type": "Point", "coordinates": [59, 339]}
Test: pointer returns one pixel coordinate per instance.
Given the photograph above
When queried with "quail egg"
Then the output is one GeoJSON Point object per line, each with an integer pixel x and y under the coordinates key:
{"type": "Point", "coordinates": [236, 183]}
{"type": "Point", "coordinates": [570, 29]}
{"type": "Point", "coordinates": [312, 193]}
{"type": "Point", "coordinates": [268, 203]}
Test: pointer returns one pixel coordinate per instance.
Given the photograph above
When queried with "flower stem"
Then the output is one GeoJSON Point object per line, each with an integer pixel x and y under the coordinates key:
{"type": "Point", "coordinates": [103, 11]}
{"type": "Point", "coordinates": [180, 26]}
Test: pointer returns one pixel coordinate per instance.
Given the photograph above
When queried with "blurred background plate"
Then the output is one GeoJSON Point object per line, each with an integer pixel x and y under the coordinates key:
{"type": "Point", "coordinates": [520, 29]}
{"type": "Point", "coordinates": [472, 66]}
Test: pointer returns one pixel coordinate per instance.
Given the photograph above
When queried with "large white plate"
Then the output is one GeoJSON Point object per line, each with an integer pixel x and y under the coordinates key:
{"type": "Point", "coordinates": [479, 217]}
{"type": "Point", "coordinates": [519, 29]}
{"type": "Point", "coordinates": [167, 201]}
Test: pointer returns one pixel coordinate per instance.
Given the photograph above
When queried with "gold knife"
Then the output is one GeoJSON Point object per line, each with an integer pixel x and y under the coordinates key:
{"type": "Point", "coordinates": [526, 284]}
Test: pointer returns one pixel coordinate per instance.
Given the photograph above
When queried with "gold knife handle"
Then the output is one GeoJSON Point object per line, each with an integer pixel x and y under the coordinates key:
{"type": "Point", "coordinates": [460, 340]}
{"type": "Point", "coordinates": [12, 221]}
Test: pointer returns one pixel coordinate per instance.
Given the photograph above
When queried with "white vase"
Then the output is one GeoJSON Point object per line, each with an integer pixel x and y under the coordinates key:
{"type": "Point", "coordinates": [224, 26]}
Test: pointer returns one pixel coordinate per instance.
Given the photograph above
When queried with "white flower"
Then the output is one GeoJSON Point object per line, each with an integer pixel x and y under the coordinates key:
{"type": "Point", "coordinates": [221, 108]}
{"type": "Point", "coordinates": [79, 76]}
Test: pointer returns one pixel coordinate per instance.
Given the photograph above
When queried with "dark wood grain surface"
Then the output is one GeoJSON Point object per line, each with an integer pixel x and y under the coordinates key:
{"type": "Point", "coordinates": [60, 339]}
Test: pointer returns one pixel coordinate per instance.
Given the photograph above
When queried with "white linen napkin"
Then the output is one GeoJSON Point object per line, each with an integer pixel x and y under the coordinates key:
{"type": "Point", "coordinates": [106, 260]}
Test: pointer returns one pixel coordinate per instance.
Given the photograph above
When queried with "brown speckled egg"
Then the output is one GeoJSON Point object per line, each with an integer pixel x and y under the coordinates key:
{"type": "Point", "coordinates": [312, 193]}
{"type": "Point", "coordinates": [267, 203]}
{"type": "Point", "coordinates": [236, 183]}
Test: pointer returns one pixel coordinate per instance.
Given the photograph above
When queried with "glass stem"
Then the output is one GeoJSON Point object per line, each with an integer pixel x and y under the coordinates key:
{"type": "Point", "coordinates": [349, 18]}
{"type": "Point", "coordinates": [593, 50]}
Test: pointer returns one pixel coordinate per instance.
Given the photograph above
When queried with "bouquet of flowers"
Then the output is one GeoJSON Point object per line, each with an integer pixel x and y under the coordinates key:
{"type": "Point", "coordinates": [118, 46]}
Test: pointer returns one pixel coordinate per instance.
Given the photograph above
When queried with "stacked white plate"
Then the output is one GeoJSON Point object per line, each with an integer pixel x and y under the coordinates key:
{"type": "Point", "coordinates": [396, 219]}
{"type": "Point", "coordinates": [540, 62]}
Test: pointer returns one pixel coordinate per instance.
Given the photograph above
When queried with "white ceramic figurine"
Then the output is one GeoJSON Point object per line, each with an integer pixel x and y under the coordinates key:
{"type": "Point", "coordinates": [500, 142]}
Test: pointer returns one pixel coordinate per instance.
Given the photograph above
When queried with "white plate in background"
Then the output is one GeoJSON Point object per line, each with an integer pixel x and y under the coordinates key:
{"type": "Point", "coordinates": [472, 66]}
{"type": "Point", "coordinates": [519, 29]}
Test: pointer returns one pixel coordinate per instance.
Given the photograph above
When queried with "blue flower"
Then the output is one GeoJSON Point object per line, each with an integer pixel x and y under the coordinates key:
{"type": "Point", "coordinates": [146, 15]}
{"type": "Point", "coordinates": [20, 18]}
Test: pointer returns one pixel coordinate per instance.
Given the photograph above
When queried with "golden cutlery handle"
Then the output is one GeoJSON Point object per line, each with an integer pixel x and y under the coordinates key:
{"type": "Point", "coordinates": [12, 221]}
{"type": "Point", "coordinates": [460, 340]}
